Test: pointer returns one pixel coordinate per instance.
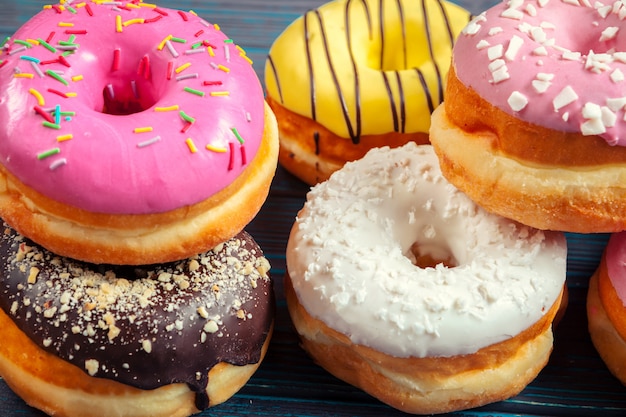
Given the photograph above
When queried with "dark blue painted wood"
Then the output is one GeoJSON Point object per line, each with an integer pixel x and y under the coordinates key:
{"type": "Point", "coordinates": [288, 383]}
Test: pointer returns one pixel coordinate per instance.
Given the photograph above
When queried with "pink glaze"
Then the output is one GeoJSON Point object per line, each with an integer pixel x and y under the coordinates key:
{"type": "Point", "coordinates": [616, 263]}
{"type": "Point", "coordinates": [99, 162]}
{"type": "Point", "coordinates": [526, 81]}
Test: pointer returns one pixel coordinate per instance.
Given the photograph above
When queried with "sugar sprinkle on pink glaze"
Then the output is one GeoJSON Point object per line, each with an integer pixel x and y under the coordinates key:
{"type": "Point", "coordinates": [110, 67]}
{"type": "Point", "coordinates": [555, 63]}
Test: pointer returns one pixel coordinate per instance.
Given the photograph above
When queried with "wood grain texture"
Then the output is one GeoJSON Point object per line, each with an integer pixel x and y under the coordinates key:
{"type": "Point", "coordinates": [288, 383]}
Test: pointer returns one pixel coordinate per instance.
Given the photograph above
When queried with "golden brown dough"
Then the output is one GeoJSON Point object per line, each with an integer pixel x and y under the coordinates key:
{"type": "Point", "coordinates": [428, 385]}
{"type": "Point", "coordinates": [143, 239]}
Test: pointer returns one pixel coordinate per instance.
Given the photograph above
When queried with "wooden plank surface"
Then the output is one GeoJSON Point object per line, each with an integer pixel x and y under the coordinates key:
{"type": "Point", "coordinates": [288, 383]}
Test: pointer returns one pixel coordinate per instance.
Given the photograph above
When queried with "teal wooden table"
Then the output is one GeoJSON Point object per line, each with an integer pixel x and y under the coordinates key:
{"type": "Point", "coordinates": [288, 383]}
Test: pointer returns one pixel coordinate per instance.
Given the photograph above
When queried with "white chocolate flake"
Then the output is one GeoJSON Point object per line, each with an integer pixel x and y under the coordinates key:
{"type": "Point", "coordinates": [592, 127]}
{"type": "Point", "coordinates": [515, 44]}
{"type": "Point", "coordinates": [501, 74]}
{"type": "Point", "coordinates": [541, 86]}
{"type": "Point", "coordinates": [609, 33]}
{"type": "Point", "coordinates": [616, 104]}
{"type": "Point", "coordinates": [609, 118]}
{"type": "Point", "coordinates": [482, 44]}
{"type": "Point", "coordinates": [617, 76]}
{"type": "Point", "coordinates": [565, 97]}
{"type": "Point", "coordinates": [531, 10]}
{"type": "Point", "coordinates": [517, 101]}
{"type": "Point", "coordinates": [495, 52]}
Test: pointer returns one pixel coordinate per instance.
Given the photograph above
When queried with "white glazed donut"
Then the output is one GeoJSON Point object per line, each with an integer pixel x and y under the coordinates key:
{"type": "Point", "coordinates": [470, 325]}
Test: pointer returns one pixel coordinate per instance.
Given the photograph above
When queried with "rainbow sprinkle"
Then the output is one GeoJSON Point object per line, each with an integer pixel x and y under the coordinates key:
{"type": "Point", "coordinates": [116, 59]}
{"type": "Point", "coordinates": [48, 153]}
{"type": "Point", "coordinates": [237, 135]}
{"type": "Point", "coordinates": [51, 125]}
{"type": "Point", "coordinates": [57, 77]}
{"type": "Point", "coordinates": [143, 129]}
{"type": "Point", "coordinates": [46, 45]}
{"type": "Point", "coordinates": [63, 138]}
{"type": "Point", "coordinates": [133, 21]}
{"type": "Point", "coordinates": [58, 163]}
{"type": "Point", "coordinates": [163, 42]}
{"type": "Point", "coordinates": [164, 109]}
{"type": "Point", "coordinates": [192, 146]}
{"type": "Point", "coordinates": [194, 91]}
{"type": "Point", "coordinates": [182, 68]}
{"type": "Point", "coordinates": [218, 149]}
{"type": "Point", "coordinates": [149, 142]}
{"type": "Point", "coordinates": [186, 117]}
{"type": "Point", "coordinates": [38, 96]}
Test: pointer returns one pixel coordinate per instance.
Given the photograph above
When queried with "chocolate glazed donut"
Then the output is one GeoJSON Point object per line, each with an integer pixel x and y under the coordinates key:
{"type": "Point", "coordinates": [142, 326]}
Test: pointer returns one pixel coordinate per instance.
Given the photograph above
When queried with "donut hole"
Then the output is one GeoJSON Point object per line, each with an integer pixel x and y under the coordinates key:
{"type": "Point", "coordinates": [430, 255]}
{"type": "Point", "coordinates": [127, 95]}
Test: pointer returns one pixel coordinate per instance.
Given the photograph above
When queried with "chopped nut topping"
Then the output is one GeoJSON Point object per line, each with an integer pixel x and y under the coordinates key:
{"type": "Point", "coordinates": [92, 365]}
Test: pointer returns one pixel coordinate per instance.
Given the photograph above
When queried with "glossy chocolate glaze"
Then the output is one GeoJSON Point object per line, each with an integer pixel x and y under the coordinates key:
{"type": "Point", "coordinates": [397, 109]}
{"type": "Point", "coordinates": [142, 326]}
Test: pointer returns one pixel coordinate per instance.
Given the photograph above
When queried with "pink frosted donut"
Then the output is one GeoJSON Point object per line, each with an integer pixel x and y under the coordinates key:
{"type": "Point", "coordinates": [533, 126]}
{"type": "Point", "coordinates": [147, 126]}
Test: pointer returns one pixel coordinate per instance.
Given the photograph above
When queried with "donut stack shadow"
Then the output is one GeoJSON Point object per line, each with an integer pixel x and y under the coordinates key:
{"type": "Point", "coordinates": [391, 282]}
{"type": "Point", "coordinates": [165, 308]}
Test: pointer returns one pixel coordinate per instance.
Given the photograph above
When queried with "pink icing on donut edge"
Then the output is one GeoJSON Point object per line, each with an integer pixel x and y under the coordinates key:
{"type": "Point", "coordinates": [527, 64]}
{"type": "Point", "coordinates": [616, 263]}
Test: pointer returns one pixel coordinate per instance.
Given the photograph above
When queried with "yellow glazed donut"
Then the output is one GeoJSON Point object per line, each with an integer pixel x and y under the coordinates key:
{"type": "Point", "coordinates": [357, 74]}
{"type": "Point", "coordinates": [401, 285]}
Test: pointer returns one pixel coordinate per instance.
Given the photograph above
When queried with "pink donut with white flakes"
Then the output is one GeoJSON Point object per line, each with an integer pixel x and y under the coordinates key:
{"type": "Point", "coordinates": [127, 109]}
{"type": "Point", "coordinates": [534, 121]}
{"type": "Point", "coordinates": [556, 63]}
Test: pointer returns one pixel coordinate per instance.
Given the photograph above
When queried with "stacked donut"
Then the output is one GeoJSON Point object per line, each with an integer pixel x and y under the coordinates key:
{"type": "Point", "coordinates": [401, 284]}
{"type": "Point", "coordinates": [137, 146]}
{"type": "Point", "coordinates": [534, 129]}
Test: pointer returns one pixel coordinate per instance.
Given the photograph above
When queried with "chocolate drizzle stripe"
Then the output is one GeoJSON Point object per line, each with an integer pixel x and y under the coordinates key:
{"type": "Point", "coordinates": [402, 103]}
{"type": "Point", "coordinates": [316, 140]}
{"type": "Point", "coordinates": [446, 19]}
{"type": "Point", "coordinates": [392, 101]}
{"type": "Point", "coordinates": [309, 61]}
{"type": "Point", "coordinates": [427, 28]}
{"type": "Point", "coordinates": [275, 73]}
{"type": "Point", "coordinates": [333, 73]}
{"type": "Point", "coordinates": [404, 37]}
{"type": "Point", "coordinates": [429, 99]}
{"type": "Point", "coordinates": [357, 88]}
